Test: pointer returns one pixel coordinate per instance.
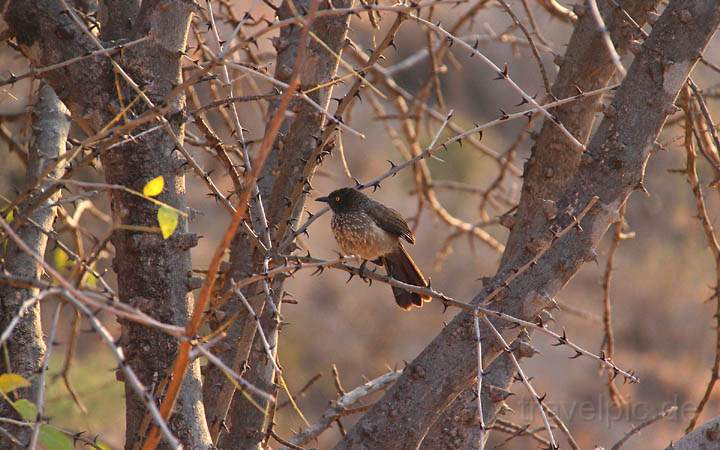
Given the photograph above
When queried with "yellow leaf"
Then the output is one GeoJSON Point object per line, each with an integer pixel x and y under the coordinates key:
{"type": "Point", "coordinates": [10, 216]}
{"type": "Point", "coordinates": [61, 259]}
{"type": "Point", "coordinates": [89, 280]}
{"type": "Point", "coordinates": [168, 221]}
{"type": "Point", "coordinates": [12, 381]}
{"type": "Point", "coordinates": [154, 187]}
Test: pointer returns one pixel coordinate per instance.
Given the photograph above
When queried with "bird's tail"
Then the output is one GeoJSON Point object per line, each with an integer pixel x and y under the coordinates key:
{"type": "Point", "coordinates": [401, 267]}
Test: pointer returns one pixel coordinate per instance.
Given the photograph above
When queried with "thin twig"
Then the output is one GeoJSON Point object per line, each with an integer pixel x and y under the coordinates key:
{"type": "Point", "coordinates": [531, 42]}
{"type": "Point", "coordinates": [602, 29]}
{"type": "Point", "coordinates": [713, 243]}
{"type": "Point", "coordinates": [36, 72]}
{"type": "Point", "coordinates": [200, 348]}
{"type": "Point", "coordinates": [480, 374]}
{"type": "Point", "coordinates": [504, 75]}
{"type": "Point", "coordinates": [538, 399]}
{"type": "Point", "coordinates": [645, 424]}
{"type": "Point", "coordinates": [609, 338]}
{"type": "Point", "coordinates": [40, 401]}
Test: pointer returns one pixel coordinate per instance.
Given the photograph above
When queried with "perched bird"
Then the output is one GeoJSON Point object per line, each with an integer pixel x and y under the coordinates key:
{"type": "Point", "coordinates": [366, 228]}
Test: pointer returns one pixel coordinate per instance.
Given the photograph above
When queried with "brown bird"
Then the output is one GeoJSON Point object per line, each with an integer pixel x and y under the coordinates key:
{"type": "Point", "coordinates": [366, 228]}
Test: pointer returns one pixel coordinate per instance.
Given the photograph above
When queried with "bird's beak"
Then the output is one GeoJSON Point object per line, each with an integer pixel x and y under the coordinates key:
{"type": "Point", "coordinates": [322, 199]}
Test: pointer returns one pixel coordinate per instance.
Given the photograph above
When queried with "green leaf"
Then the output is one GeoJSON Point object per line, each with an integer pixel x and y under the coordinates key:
{"type": "Point", "coordinates": [168, 221]}
{"type": "Point", "coordinates": [10, 216]}
{"type": "Point", "coordinates": [154, 187]}
{"type": "Point", "coordinates": [26, 409]}
{"type": "Point", "coordinates": [12, 381]}
{"type": "Point", "coordinates": [53, 439]}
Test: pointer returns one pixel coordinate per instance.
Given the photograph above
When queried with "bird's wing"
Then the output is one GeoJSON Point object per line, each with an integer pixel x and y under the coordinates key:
{"type": "Point", "coordinates": [391, 221]}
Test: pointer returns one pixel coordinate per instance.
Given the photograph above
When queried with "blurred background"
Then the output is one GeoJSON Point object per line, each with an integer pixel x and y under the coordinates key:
{"type": "Point", "coordinates": [664, 277]}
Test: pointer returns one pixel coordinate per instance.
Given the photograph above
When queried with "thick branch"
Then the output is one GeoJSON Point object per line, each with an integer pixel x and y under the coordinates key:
{"type": "Point", "coordinates": [117, 18]}
{"type": "Point", "coordinates": [611, 169]}
{"type": "Point", "coordinates": [554, 161]}
{"type": "Point", "coordinates": [705, 436]}
{"type": "Point", "coordinates": [25, 346]}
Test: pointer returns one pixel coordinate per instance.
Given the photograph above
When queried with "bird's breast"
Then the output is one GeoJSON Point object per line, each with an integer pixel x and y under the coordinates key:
{"type": "Point", "coordinates": [357, 234]}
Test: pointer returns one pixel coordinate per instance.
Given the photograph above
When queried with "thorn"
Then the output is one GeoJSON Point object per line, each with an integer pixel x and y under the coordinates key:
{"type": "Point", "coordinates": [502, 75]}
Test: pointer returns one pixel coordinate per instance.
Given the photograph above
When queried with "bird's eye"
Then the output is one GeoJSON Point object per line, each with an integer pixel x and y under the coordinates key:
{"type": "Point", "coordinates": [337, 199]}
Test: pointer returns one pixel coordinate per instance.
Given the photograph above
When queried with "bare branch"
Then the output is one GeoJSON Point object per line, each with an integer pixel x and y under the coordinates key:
{"type": "Point", "coordinates": [343, 405]}
{"type": "Point", "coordinates": [647, 423]}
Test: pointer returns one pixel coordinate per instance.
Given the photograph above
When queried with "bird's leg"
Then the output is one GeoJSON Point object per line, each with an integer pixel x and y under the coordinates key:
{"type": "Point", "coordinates": [363, 269]}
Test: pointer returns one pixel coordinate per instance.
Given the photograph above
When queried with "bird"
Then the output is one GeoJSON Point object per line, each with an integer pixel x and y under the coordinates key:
{"type": "Point", "coordinates": [366, 228]}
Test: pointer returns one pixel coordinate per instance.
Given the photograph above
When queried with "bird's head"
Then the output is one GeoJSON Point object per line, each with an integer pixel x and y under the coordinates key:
{"type": "Point", "coordinates": [344, 200]}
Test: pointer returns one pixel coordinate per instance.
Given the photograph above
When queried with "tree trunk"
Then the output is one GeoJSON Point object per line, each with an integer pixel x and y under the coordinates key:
{"type": "Point", "coordinates": [153, 274]}
{"type": "Point", "coordinates": [25, 346]}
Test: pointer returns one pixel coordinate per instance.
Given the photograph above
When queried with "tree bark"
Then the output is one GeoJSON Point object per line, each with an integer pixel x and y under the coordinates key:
{"type": "Point", "coordinates": [611, 168]}
{"type": "Point", "coordinates": [459, 427]}
{"type": "Point", "coordinates": [554, 160]}
{"type": "Point", "coordinates": [706, 436]}
{"type": "Point", "coordinates": [153, 274]}
{"type": "Point", "coordinates": [117, 17]}
{"type": "Point", "coordinates": [587, 66]}
{"type": "Point", "coordinates": [25, 346]}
